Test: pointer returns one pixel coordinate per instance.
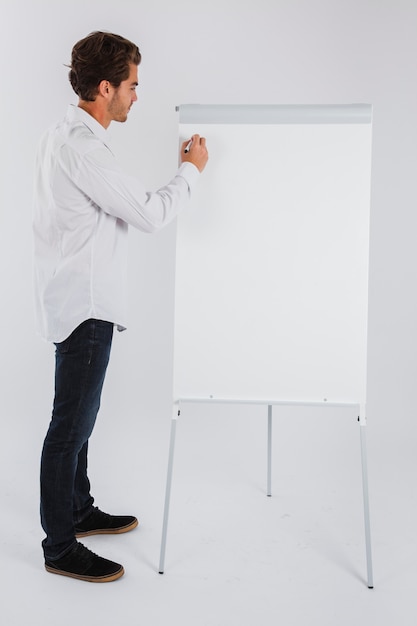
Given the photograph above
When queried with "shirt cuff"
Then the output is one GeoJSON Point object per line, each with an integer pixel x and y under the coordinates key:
{"type": "Point", "coordinates": [189, 172]}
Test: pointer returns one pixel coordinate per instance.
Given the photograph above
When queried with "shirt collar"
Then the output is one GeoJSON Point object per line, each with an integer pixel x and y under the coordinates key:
{"type": "Point", "coordinates": [76, 113]}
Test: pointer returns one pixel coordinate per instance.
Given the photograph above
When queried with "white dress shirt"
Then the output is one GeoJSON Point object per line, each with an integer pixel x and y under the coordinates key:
{"type": "Point", "coordinates": [83, 203]}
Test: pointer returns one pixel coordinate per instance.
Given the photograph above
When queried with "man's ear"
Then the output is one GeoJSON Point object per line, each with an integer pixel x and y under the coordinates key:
{"type": "Point", "coordinates": [104, 88]}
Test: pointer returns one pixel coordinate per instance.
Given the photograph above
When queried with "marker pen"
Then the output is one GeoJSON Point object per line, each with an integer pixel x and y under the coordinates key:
{"type": "Point", "coordinates": [188, 146]}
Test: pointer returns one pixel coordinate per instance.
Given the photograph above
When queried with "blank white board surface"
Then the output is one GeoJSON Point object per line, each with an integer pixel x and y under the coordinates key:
{"type": "Point", "coordinates": [271, 285]}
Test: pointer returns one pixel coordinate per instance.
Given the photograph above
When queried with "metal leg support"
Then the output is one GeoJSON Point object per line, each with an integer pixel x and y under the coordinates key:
{"type": "Point", "coordinates": [168, 489]}
{"type": "Point", "coordinates": [366, 506]}
{"type": "Point", "coordinates": [269, 463]}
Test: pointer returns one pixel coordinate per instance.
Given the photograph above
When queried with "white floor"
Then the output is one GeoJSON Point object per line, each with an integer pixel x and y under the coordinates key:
{"type": "Point", "coordinates": [234, 556]}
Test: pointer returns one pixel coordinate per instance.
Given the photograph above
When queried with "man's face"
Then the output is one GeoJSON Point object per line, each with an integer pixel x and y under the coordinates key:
{"type": "Point", "coordinates": [124, 96]}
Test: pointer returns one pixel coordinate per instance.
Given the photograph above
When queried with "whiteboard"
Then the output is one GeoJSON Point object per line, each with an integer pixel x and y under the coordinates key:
{"type": "Point", "coordinates": [271, 278]}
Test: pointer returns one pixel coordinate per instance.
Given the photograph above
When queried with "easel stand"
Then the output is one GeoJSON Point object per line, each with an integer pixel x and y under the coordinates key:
{"type": "Point", "coordinates": [269, 404]}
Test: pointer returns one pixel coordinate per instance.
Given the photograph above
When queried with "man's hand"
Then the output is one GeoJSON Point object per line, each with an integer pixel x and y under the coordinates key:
{"type": "Point", "coordinates": [197, 152]}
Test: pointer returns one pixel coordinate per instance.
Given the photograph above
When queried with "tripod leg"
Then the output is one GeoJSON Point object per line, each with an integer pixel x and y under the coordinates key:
{"type": "Point", "coordinates": [168, 489]}
{"type": "Point", "coordinates": [366, 506]}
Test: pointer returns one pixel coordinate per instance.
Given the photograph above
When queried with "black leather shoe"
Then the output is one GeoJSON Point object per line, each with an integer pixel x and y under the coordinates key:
{"type": "Point", "coordinates": [99, 523]}
{"type": "Point", "coordinates": [83, 564]}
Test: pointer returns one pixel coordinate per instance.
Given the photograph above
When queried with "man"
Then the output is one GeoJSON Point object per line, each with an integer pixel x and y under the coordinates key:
{"type": "Point", "coordinates": [83, 205]}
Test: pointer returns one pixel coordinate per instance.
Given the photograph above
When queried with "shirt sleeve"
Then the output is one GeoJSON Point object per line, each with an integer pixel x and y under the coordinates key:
{"type": "Point", "coordinates": [124, 196]}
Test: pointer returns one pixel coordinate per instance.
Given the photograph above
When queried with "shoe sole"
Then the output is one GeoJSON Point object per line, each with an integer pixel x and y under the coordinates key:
{"type": "Point", "coordinates": [90, 579]}
{"type": "Point", "coordinates": [108, 531]}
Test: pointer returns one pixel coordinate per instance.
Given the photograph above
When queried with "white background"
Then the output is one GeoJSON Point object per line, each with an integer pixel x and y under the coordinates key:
{"type": "Point", "coordinates": [228, 51]}
{"type": "Point", "coordinates": [317, 51]}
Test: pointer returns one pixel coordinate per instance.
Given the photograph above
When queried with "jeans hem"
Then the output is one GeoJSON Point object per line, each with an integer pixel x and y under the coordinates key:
{"type": "Point", "coordinates": [62, 554]}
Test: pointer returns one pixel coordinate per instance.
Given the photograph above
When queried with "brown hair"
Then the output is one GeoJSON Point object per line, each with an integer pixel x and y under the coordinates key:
{"type": "Point", "coordinates": [101, 56]}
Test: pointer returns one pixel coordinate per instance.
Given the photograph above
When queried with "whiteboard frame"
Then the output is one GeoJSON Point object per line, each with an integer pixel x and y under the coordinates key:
{"type": "Point", "coordinates": [275, 114]}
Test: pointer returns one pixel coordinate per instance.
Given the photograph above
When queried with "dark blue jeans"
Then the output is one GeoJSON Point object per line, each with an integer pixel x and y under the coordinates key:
{"type": "Point", "coordinates": [80, 368]}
